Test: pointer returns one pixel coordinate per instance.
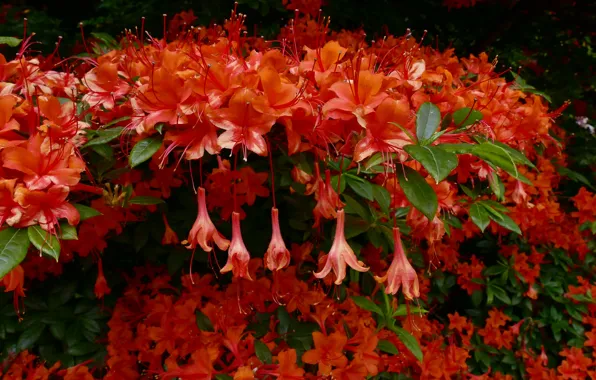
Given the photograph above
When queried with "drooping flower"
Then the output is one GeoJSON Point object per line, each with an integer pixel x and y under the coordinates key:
{"type": "Point", "coordinates": [101, 285]}
{"type": "Point", "coordinates": [277, 256]}
{"type": "Point", "coordinates": [169, 235]}
{"type": "Point", "coordinates": [203, 230]}
{"type": "Point", "coordinates": [238, 256]}
{"type": "Point", "coordinates": [401, 273]}
{"type": "Point", "coordinates": [340, 254]}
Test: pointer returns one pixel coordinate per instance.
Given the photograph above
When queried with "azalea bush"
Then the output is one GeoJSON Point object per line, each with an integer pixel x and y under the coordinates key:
{"type": "Point", "coordinates": [211, 204]}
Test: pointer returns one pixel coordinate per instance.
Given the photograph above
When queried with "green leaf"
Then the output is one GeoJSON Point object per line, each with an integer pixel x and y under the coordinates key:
{"type": "Point", "coordinates": [284, 320]}
{"type": "Point", "coordinates": [499, 293]}
{"type": "Point", "coordinates": [409, 341]}
{"type": "Point", "coordinates": [387, 347]}
{"type": "Point", "coordinates": [466, 116]}
{"type": "Point", "coordinates": [105, 136]}
{"type": "Point", "coordinates": [366, 304]}
{"type": "Point", "coordinates": [68, 232]}
{"type": "Point", "coordinates": [82, 348]}
{"type": "Point", "coordinates": [143, 151]}
{"type": "Point", "coordinates": [462, 148]}
{"type": "Point", "coordinates": [479, 216]}
{"type": "Point", "coordinates": [360, 186]}
{"type": "Point", "coordinates": [522, 85]}
{"type": "Point", "coordinates": [30, 336]}
{"type": "Point", "coordinates": [382, 197]}
{"type": "Point", "coordinates": [353, 207]}
{"type": "Point", "coordinates": [496, 214]}
{"type": "Point", "coordinates": [105, 151]}
{"type": "Point", "coordinates": [499, 157]}
{"type": "Point", "coordinates": [145, 200]}
{"type": "Point", "coordinates": [203, 322]}
{"type": "Point", "coordinates": [223, 376]}
{"type": "Point", "coordinates": [506, 222]}
{"type": "Point", "coordinates": [86, 212]}
{"type": "Point", "coordinates": [452, 220]}
{"type": "Point", "coordinates": [355, 226]}
{"type": "Point", "coordinates": [574, 176]}
{"type": "Point", "coordinates": [418, 191]}
{"type": "Point", "coordinates": [14, 244]}
{"type": "Point", "coordinates": [496, 185]}
{"type": "Point", "coordinates": [10, 41]}
{"type": "Point", "coordinates": [44, 241]}
{"type": "Point", "coordinates": [402, 310]}
{"type": "Point", "coordinates": [438, 162]}
{"type": "Point", "coordinates": [428, 119]}
{"type": "Point", "coordinates": [263, 352]}
{"type": "Point", "coordinates": [58, 330]}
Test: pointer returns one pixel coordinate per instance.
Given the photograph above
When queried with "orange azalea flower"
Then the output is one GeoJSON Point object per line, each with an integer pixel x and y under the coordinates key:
{"type": "Point", "coordinates": [203, 230]}
{"type": "Point", "coordinates": [356, 98]}
{"type": "Point", "coordinates": [42, 165]}
{"type": "Point", "coordinates": [381, 135]}
{"type": "Point", "coordinates": [400, 273]}
{"type": "Point", "coordinates": [243, 124]}
{"type": "Point", "coordinates": [288, 369]}
{"type": "Point", "coordinates": [78, 373]}
{"type": "Point", "coordinates": [45, 208]}
{"type": "Point", "coordinates": [340, 254]}
{"type": "Point", "coordinates": [7, 203]}
{"type": "Point", "coordinates": [238, 256]}
{"type": "Point", "coordinates": [277, 256]}
{"type": "Point", "coordinates": [104, 84]}
{"type": "Point", "coordinates": [61, 119]}
{"type": "Point", "coordinates": [323, 60]}
{"type": "Point", "coordinates": [328, 352]}
{"type": "Point", "coordinates": [244, 373]}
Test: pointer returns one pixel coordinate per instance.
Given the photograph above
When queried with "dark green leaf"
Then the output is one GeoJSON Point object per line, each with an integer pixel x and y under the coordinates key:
{"type": "Point", "coordinates": [360, 186]}
{"type": "Point", "coordinates": [145, 200]}
{"type": "Point", "coordinates": [428, 119]}
{"type": "Point", "coordinates": [382, 197]}
{"type": "Point", "coordinates": [14, 244]}
{"type": "Point", "coordinates": [418, 191]}
{"type": "Point", "coordinates": [263, 352]}
{"type": "Point", "coordinates": [500, 293]}
{"type": "Point", "coordinates": [284, 320]}
{"type": "Point", "coordinates": [82, 348]}
{"type": "Point", "coordinates": [436, 161]}
{"type": "Point", "coordinates": [496, 185]}
{"type": "Point", "coordinates": [466, 116]}
{"type": "Point", "coordinates": [143, 150]}
{"type": "Point", "coordinates": [409, 341]}
{"type": "Point", "coordinates": [355, 226]}
{"type": "Point", "coordinates": [203, 322]}
{"type": "Point", "coordinates": [58, 330]}
{"type": "Point", "coordinates": [105, 151]}
{"type": "Point", "coordinates": [353, 207]}
{"type": "Point", "coordinates": [68, 232]}
{"type": "Point", "coordinates": [104, 136]}
{"type": "Point", "coordinates": [366, 304]}
{"type": "Point", "coordinates": [86, 212]}
{"type": "Point", "coordinates": [387, 347]}
{"type": "Point", "coordinates": [479, 216]}
{"type": "Point", "coordinates": [10, 41]}
{"type": "Point", "coordinates": [452, 220]}
{"type": "Point", "coordinates": [44, 241]}
{"type": "Point", "coordinates": [30, 336]}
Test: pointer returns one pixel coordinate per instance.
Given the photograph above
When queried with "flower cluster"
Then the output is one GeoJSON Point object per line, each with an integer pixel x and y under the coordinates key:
{"type": "Point", "coordinates": [412, 155]}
